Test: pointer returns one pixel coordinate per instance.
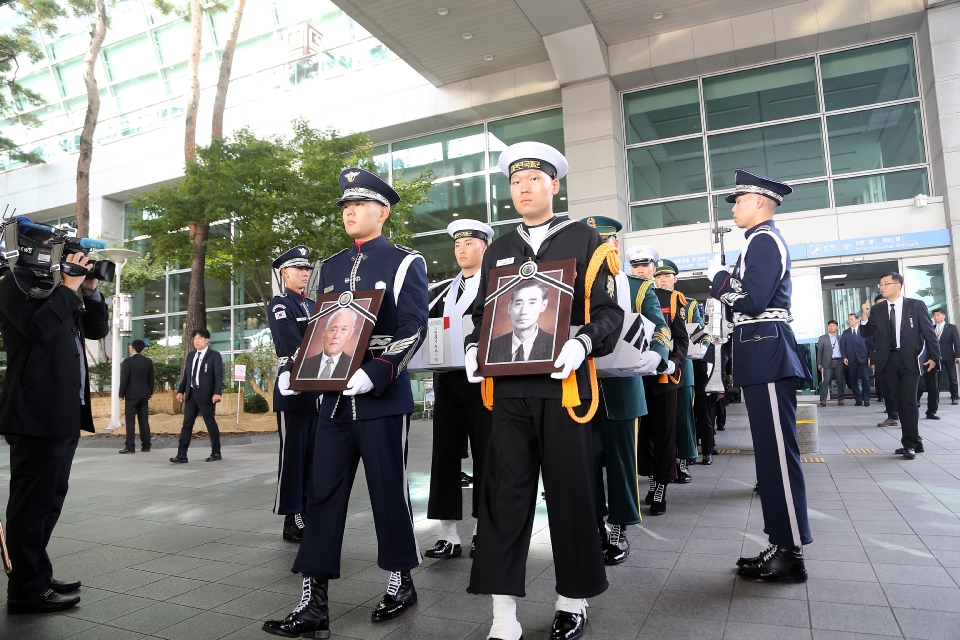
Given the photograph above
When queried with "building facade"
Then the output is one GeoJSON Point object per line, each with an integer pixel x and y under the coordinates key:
{"type": "Point", "coordinates": [855, 103]}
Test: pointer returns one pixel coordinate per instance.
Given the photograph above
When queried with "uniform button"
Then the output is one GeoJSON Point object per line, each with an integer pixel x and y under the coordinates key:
{"type": "Point", "coordinates": [756, 336]}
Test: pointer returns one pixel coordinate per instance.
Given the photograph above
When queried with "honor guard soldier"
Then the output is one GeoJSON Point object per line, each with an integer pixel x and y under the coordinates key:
{"type": "Point", "coordinates": [756, 294]}
{"type": "Point", "coordinates": [622, 403]}
{"type": "Point", "coordinates": [458, 411]}
{"type": "Point", "coordinates": [532, 431]}
{"type": "Point", "coordinates": [288, 314]}
{"type": "Point", "coordinates": [657, 446]}
{"type": "Point", "coordinates": [665, 275]}
{"type": "Point", "coordinates": [370, 420]}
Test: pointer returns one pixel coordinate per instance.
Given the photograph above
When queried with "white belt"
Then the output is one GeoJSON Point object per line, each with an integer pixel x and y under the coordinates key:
{"type": "Point", "coordinates": [767, 315]}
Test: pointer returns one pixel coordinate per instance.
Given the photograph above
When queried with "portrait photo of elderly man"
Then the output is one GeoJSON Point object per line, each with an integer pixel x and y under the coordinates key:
{"type": "Point", "coordinates": [332, 362]}
{"type": "Point", "coordinates": [526, 342]}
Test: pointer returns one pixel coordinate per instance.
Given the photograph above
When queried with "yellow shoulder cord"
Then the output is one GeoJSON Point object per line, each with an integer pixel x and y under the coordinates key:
{"type": "Point", "coordinates": [676, 298]}
{"type": "Point", "coordinates": [571, 393]}
{"type": "Point", "coordinates": [486, 392]}
{"type": "Point", "coordinates": [641, 294]}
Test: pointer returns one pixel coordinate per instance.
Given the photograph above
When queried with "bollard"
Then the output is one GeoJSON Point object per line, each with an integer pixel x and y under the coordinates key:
{"type": "Point", "coordinates": [807, 434]}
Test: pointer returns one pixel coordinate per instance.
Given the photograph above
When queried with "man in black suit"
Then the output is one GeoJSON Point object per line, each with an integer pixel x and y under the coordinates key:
{"type": "Point", "coordinates": [136, 387]}
{"type": "Point", "coordinates": [332, 362]}
{"type": "Point", "coordinates": [527, 342]}
{"type": "Point", "coordinates": [856, 355]}
{"type": "Point", "coordinates": [902, 327]}
{"type": "Point", "coordinates": [949, 351]}
{"type": "Point", "coordinates": [200, 392]}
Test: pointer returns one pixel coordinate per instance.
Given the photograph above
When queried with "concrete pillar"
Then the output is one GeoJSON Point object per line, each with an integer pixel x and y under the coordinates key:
{"type": "Point", "coordinates": [593, 143]}
{"type": "Point", "coordinates": [106, 220]}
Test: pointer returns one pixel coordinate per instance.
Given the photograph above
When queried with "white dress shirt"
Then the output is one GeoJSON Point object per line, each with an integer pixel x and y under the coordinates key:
{"type": "Point", "coordinates": [327, 360]}
{"type": "Point", "coordinates": [198, 358]}
{"type": "Point", "coordinates": [835, 341]}
{"type": "Point", "coordinates": [527, 345]}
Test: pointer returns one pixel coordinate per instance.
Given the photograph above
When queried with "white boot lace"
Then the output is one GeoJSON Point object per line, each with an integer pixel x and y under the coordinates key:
{"type": "Point", "coordinates": [615, 532]}
{"type": "Point", "coordinates": [768, 553]}
{"type": "Point", "coordinates": [658, 494]}
{"type": "Point", "coordinates": [298, 519]}
{"type": "Point", "coordinates": [305, 598]}
{"type": "Point", "coordinates": [394, 585]}
{"type": "Point", "coordinates": [653, 484]}
{"type": "Point", "coordinates": [683, 464]}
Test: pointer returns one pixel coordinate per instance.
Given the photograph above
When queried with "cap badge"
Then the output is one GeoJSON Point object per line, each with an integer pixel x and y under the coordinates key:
{"type": "Point", "coordinates": [592, 223]}
{"type": "Point", "coordinates": [303, 251]}
{"type": "Point", "coordinates": [659, 263]}
{"type": "Point", "coordinates": [351, 176]}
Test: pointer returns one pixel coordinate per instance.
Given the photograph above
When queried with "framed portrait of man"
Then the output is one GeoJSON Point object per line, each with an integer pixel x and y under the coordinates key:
{"type": "Point", "coordinates": [337, 337]}
{"type": "Point", "coordinates": [526, 318]}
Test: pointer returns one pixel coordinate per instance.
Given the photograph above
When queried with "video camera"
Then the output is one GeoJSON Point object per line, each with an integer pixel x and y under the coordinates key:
{"type": "Point", "coordinates": [42, 250]}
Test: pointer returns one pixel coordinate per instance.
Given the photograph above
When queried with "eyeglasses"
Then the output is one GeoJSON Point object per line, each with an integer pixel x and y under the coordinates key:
{"type": "Point", "coordinates": [885, 284]}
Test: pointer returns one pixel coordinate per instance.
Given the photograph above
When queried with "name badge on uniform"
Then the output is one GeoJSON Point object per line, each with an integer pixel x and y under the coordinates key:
{"type": "Point", "coordinates": [328, 289]}
{"type": "Point", "coordinates": [504, 261]}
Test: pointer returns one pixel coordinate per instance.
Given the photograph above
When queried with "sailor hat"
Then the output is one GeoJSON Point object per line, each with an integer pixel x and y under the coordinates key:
{"type": "Point", "coordinates": [533, 155]}
{"type": "Point", "coordinates": [642, 253]}
{"type": "Point", "coordinates": [470, 229]}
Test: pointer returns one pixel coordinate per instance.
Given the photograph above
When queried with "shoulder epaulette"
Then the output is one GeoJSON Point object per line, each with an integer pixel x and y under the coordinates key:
{"type": "Point", "coordinates": [407, 249]}
{"type": "Point", "coordinates": [331, 256]}
{"type": "Point", "coordinates": [677, 299]}
{"type": "Point", "coordinates": [645, 286]}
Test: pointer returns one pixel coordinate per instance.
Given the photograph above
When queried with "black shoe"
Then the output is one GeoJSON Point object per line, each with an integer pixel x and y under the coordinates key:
{"type": "Point", "coordinates": [400, 596]}
{"type": "Point", "coordinates": [683, 476]}
{"type": "Point", "coordinates": [293, 527]}
{"type": "Point", "coordinates": [214, 457]}
{"type": "Point", "coordinates": [909, 453]}
{"type": "Point", "coordinates": [618, 548]}
{"type": "Point", "coordinates": [955, 401]}
{"type": "Point", "coordinates": [858, 404]}
{"type": "Point", "coordinates": [715, 452]}
{"type": "Point", "coordinates": [63, 587]}
{"type": "Point", "coordinates": [707, 459]}
{"type": "Point", "coordinates": [311, 618]}
{"type": "Point", "coordinates": [781, 564]}
{"type": "Point", "coordinates": [866, 403]}
{"type": "Point", "coordinates": [723, 428]}
{"type": "Point", "coordinates": [932, 416]}
{"type": "Point", "coordinates": [145, 448]}
{"type": "Point", "coordinates": [178, 459]}
{"type": "Point", "coordinates": [49, 602]}
{"type": "Point", "coordinates": [465, 480]}
{"type": "Point", "coordinates": [756, 488]}
{"type": "Point", "coordinates": [443, 550]}
{"type": "Point", "coordinates": [568, 626]}
{"type": "Point", "coordinates": [899, 451]}
{"type": "Point", "coordinates": [648, 499]}
{"type": "Point", "coordinates": [744, 561]}
{"type": "Point", "coordinates": [128, 450]}
{"type": "Point", "coordinates": [658, 506]}
{"type": "Point", "coordinates": [473, 546]}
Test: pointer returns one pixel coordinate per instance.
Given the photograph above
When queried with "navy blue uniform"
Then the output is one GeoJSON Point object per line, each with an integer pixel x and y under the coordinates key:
{"type": "Point", "coordinates": [371, 426]}
{"type": "Point", "coordinates": [296, 415]}
{"type": "Point", "coordinates": [766, 366]}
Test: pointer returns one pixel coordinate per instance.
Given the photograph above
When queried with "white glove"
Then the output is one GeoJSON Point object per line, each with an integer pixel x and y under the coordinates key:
{"type": "Point", "coordinates": [571, 357]}
{"type": "Point", "coordinates": [283, 384]}
{"type": "Point", "coordinates": [649, 361]}
{"type": "Point", "coordinates": [358, 384]}
{"type": "Point", "coordinates": [671, 367]}
{"type": "Point", "coordinates": [714, 267]}
{"type": "Point", "coordinates": [470, 364]}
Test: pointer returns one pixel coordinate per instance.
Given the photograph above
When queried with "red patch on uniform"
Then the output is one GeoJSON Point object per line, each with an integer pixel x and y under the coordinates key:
{"type": "Point", "coordinates": [446, 322]}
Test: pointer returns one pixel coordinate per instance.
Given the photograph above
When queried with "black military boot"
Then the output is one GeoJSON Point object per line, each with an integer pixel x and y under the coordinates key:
{"type": "Point", "coordinates": [781, 564]}
{"type": "Point", "coordinates": [618, 548]}
{"type": "Point", "coordinates": [568, 626]}
{"type": "Point", "coordinates": [683, 476]}
{"type": "Point", "coordinates": [311, 618]}
{"type": "Point", "coordinates": [400, 596]}
{"type": "Point", "coordinates": [658, 506]}
{"type": "Point", "coordinates": [747, 560]}
{"type": "Point", "coordinates": [602, 530]}
{"type": "Point", "coordinates": [648, 499]}
{"type": "Point", "coordinates": [293, 527]}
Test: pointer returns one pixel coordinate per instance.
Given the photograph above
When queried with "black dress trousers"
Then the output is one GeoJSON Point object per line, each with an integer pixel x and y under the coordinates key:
{"type": "Point", "coordinates": [137, 409]}
{"type": "Point", "coordinates": [705, 413]}
{"type": "Point", "coordinates": [901, 384]}
{"type": "Point", "coordinates": [530, 437]}
{"type": "Point", "coordinates": [657, 445]}
{"type": "Point", "coordinates": [458, 413]}
{"type": "Point", "coordinates": [340, 445]}
{"type": "Point", "coordinates": [298, 433]}
{"type": "Point", "coordinates": [39, 479]}
{"type": "Point", "coordinates": [191, 409]}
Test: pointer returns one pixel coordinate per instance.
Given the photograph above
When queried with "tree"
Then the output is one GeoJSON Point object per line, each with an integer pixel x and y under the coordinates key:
{"type": "Point", "coordinates": [97, 34]}
{"type": "Point", "coordinates": [137, 273]}
{"type": "Point", "coordinates": [262, 363]}
{"type": "Point", "coordinates": [226, 66]}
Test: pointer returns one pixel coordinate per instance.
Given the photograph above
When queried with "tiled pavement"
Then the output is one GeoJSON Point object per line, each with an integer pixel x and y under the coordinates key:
{"type": "Point", "coordinates": [192, 551]}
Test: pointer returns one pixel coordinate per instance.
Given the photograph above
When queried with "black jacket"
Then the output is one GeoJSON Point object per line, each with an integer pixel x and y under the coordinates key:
{"type": "Point", "coordinates": [949, 342]}
{"type": "Point", "coordinates": [211, 377]}
{"type": "Point", "coordinates": [916, 327]}
{"type": "Point", "coordinates": [41, 395]}
{"type": "Point", "coordinates": [501, 348]}
{"type": "Point", "coordinates": [312, 366]}
{"type": "Point", "coordinates": [136, 377]}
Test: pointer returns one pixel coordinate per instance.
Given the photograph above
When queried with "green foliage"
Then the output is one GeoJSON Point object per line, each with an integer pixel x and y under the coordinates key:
{"type": "Point", "coordinates": [167, 365]}
{"type": "Point", "coordinates": [137, 274]}
{"type": "Point", "coordinates": [254, 403]}
{"type": "Point", "coordinates": [278, 192]}
{"type": "Point", "coordinates": [261, 363]}
{"type": "Point", "coordinates": [100, 375]}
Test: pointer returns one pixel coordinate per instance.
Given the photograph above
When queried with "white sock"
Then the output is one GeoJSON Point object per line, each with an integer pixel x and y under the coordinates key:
{"type": "Point", "coordinates": [571, 605]}
{"type": "Point", "coordinates": [505, 625]}
{"type": "Point", "coordinates": [448, 531]}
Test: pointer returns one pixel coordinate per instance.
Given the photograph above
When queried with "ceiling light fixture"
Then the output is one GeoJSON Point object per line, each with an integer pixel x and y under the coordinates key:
{"type": "Point", "coordinates": [657, 15]}
{"type": "Point", "coordinates": [838, 276]}
{"type": "Point", "coordinates": [467, 36]}
{"type": "Point", "coordinates": [456, 184]}
{"type": "Point", "coordinates": [488, 57]}
{"type": "Point", "coordinates": [563, 197]}
{"type": "Point", "coordinates": [443, 11]}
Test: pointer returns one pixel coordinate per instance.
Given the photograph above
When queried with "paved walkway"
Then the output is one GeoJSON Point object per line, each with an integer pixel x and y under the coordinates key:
{"type": "Point", "coordinates": [192, 551]}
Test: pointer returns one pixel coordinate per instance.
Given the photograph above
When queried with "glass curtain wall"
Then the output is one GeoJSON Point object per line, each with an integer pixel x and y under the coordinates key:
{"type": "Point", "coordinates": [843, 128]}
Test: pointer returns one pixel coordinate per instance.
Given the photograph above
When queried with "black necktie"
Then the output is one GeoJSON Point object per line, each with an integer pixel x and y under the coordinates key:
{"type": "Point", "coordinates": [196, 366]}
{"type": "Point", "coordinates": [518, 356]}
{"type": "Point", "coordinates": [893, 327]}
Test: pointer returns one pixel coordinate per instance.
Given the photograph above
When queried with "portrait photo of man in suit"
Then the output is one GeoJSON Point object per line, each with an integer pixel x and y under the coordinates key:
{"type": "Point", "coordinates": [332, 363]}
{"type": "Point", "coordinates": [526, 342]}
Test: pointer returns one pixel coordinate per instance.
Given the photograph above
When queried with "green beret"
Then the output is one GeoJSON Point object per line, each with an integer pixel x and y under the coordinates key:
{"type": "Point", "coordinates": [666, 266]}
{"type": "Point", "coordinates": [605, 226]}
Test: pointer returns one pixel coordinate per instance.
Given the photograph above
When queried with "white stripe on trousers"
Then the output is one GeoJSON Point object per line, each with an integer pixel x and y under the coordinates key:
{"type": "Point", "coordinates": [405, 423]}
{"type": "Point", "coordinates": [283, 438]}
{"type": "Point", "coordinates": [784, 471]}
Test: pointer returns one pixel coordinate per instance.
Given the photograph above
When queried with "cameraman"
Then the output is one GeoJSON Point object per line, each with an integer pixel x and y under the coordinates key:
{"type": "Point", "coordinates": [43, 406]}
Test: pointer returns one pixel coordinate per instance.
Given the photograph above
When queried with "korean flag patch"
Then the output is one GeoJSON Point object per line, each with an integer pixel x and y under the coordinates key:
{"type": "Point", "coordinates": [279, 313]}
